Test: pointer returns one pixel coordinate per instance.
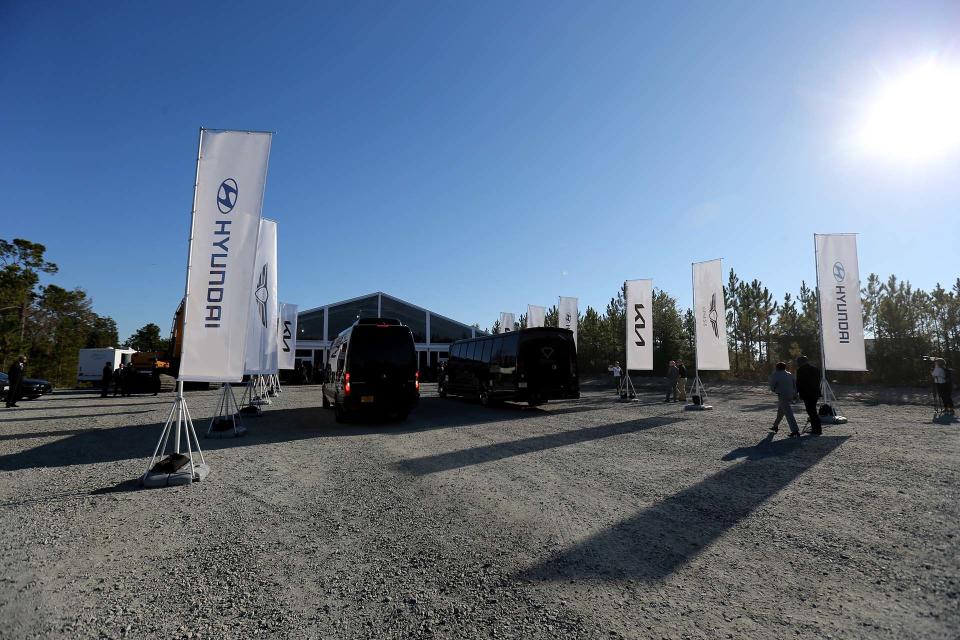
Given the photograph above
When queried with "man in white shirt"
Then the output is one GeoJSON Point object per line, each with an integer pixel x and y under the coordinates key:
{"type": "Point", "coordinates": [616, 371]}
{"type": "Point", "coordinates": [943, 380]}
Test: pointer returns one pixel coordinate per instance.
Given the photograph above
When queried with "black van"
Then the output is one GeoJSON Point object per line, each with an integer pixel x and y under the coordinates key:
{"type": "Point", "coordinates": [372, 367]}
{"type": "Point", "coordinates": [529, 365]}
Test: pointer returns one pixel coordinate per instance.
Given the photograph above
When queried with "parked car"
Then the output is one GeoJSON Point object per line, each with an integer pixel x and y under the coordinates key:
{"type": "Point", "coordinates": [31, 388]}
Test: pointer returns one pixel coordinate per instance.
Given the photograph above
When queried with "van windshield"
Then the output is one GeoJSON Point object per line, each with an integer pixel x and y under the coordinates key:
{"type": "Point", "coordinates": [376, 349]}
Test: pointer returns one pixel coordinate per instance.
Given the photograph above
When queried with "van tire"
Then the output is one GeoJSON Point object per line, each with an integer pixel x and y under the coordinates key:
{"type": "Point", "coordinates": [484, 396]}
{"type": "Point", "coordinates": [338, 412]}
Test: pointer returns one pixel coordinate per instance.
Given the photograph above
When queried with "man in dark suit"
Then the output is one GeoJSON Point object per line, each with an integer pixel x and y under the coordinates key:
{"type": "Point", "coordinates": [105, 377]}
{"type": "Point", "coordinates": [808, 388]}
{"type": "Point", "coordinates": [15, 375]}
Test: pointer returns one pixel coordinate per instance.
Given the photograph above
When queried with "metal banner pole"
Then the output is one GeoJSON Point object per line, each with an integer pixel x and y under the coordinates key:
{"type": "Point", "coordinates": [829, 398]}
{"type": "Point", "coordinates": [169, 470]}
{"type": "Point", "coordinates": [696, 389]}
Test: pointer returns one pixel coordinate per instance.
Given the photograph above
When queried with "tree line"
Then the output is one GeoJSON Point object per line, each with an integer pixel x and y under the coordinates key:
{"type": "Point", "coordinates": [903, 325]}
{"type": "Point", "coordinates": [48, 323]}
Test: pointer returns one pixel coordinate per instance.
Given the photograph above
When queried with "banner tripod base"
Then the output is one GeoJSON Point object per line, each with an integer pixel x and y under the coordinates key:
{"type": "Point", "coordinates": [832, 414]}
{"type": "Point", "coordinates": [627, 391]}
{"type": "Point", "coordinates": [248, 401]}
{"type": "Point", "coordinates": [698, 397]}
{"type": "Point", "coordinates": [226, 422]}
{"type": "Point", "coordinates": [176, 468]}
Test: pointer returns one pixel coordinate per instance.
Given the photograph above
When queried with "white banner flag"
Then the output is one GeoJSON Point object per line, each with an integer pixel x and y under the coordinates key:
{"type": "Point", "coordinates": [286, 336]}
{"type": "Point", "coordinates": [838, 276]}
{"type": "Point", "coordinates": [710, 317]}
{"type": "Point", "coordinates": [639, 299]}
{"type": "Point", "coordinates": [536, 316]}
{"type": "Point", "coordinates": [507, 321]}
{"type": "Point", "coordinates": [568, 315]}
{"type": "Point", "coordinates": [264, 309]}
{"type": "Point", "coordinates": [231, 175]}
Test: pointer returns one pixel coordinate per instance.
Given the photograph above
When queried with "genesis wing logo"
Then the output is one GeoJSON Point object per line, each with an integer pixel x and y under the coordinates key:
{"type": "Point", "coordinates": [714, 316]}
{"type": "Point", "coordinates": [227, 195]}
{"type": "Point", "coordinates": [839, 273]}
{"type": "Point", "coordinates": [262, 295]}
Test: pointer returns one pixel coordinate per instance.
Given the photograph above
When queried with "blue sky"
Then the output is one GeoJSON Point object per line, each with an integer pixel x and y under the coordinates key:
{"type": "Point", "coordinates": [470, 157]}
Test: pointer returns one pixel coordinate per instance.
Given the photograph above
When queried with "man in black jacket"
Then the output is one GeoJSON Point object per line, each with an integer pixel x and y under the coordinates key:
{"type": "Point", "coordinates": [105, 377]}
{"type": "Point", "coordinates": [15, 375]}
{"type": "Point", "coordinates": [808, 388]}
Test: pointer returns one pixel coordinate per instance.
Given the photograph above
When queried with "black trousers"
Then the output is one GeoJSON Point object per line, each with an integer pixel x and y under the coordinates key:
{"type": "Point", "coordinates": [810, 404]}
{"type": "Point", "coordinates": [104, 387]}
{"type": "Point", "coordinates": [946, 394]}
{"type": "Point", "coordinates": [13, 394]}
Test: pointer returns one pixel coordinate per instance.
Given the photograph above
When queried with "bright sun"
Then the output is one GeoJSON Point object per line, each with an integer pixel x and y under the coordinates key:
{"type": "Point", "coordinates": [915, 117]}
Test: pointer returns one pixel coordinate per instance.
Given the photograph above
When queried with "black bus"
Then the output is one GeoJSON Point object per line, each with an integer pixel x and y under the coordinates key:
{"type": "Point", "coordinates": [372, 367]}
{"type": "Point", "coordinates": [529, 365]}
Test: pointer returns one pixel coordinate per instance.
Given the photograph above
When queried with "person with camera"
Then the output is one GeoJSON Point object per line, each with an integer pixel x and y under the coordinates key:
{"type": "Point", "coordinates": [943, 379]}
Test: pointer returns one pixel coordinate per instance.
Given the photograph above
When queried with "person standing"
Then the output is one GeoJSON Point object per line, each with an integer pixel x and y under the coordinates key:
{"type": "Point", "coordinates": [15, 375]}
{"type": "Point", "coordinates": [681, 381]}
{"type": "Point", "coordinates": [943, 379]}
{"type": "Point", "coordinates": [783, 384]}
{"type": "Point", "coordinates": [672, 375]}
{"type": "Point", "coordinates": [616, 371]}
{"type": "Point", "coordinates": [808, 387]}
{"type": "Point", "coordinates": [155, 377]}
{"type": "Point", "coordinates": [117, 380]}
{"type": "Point", "coordinates": [105, 377]}
{"type": "Point", "coordinates": [129, 378]}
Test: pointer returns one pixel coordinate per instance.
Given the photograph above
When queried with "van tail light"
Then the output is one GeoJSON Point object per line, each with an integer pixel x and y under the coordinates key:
{"type": "Point", "coordinates": [416, 377]}
{"type": "Point", "coordinates": [346, 384]}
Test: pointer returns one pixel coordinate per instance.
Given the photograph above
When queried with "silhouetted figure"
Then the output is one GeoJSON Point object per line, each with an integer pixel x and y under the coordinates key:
{"type": "Point", "coordinates": [155, 378]}
{"type": "Point", "coordinates": [672, 375]}
{"type": "Point", "coordinates": [681, 381]}
{"type": "Point", "coordinates": [808, 388]}
{"type": "Point", "coordinates": [105, 377]}
{"type": "Point", "coordinates": [118, 380]}
{"type": "Point", "coordinates": [943, 378]}
{"type": "Point", "coordinates": [15, 380]}
{"type": "Point", "coordinates": [129, 380]}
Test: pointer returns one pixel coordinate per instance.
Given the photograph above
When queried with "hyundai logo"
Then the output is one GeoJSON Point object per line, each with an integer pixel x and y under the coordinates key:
{"type": "Point", "coordinates": [839, 273]}
{"type": "Point", "coordinates": [227, 196]}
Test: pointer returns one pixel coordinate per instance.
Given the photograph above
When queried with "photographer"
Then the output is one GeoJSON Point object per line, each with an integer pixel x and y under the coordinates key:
{"type": "Point", "coordinates": [943, 378]}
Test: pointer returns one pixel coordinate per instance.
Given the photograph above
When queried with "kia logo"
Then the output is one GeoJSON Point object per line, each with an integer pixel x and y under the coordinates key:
{"type": "Point", "coordinates": [227, 196]}
{"type": "Point", "coordinates": [839, 273]}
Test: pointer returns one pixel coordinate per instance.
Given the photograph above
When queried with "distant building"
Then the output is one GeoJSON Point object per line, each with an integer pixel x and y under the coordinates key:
{"type": "Point", "coordinates": [318, 327]}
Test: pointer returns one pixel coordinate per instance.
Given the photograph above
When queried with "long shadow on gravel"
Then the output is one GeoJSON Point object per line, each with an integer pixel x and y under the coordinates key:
{"type": "Point", "coordinates": [664, 537]}
{"type": "Point", "coordinates": [69, 417]}
{"type": "Point", "coordinates": [85, 445]}
{"type": "Point", "coordinates": [498, 451]}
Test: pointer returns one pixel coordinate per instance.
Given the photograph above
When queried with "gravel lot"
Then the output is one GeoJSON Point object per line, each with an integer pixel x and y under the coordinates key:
{"type": "Point", "coordinates": [588, 518]}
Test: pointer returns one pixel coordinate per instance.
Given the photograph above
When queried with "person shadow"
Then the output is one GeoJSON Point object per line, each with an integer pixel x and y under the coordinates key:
{"type": "Point", "coordinates": [664, 537]}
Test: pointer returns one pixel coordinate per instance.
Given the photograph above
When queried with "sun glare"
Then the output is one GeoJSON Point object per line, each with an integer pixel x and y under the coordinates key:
{"type": "Point", "coordinates": [915, 117]}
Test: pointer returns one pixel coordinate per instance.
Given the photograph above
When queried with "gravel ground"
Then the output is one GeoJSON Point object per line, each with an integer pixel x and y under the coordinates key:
{"type": "Point", "coordinates": [580, 519]}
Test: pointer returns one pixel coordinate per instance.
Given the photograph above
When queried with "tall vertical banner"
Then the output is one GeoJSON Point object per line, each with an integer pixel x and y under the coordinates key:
{"type": "Point", "coordinates": [536, 316]}
{"type": "Point", "coordinates": [261, 350]}
{"type": "Point", "coordinates": [841, 319]}
{"type": "Point", "coordinates": [567, 318]}
{"type": "Point", "coordinates": [286, 336]}
{"type": "Point", "coordinates": [639, 299]}
{"type": "Point", "coordinates": [710, 316]}
{"type": "Point", "coordinates": [228, 196]}
{"type": "Point", "coordinates": [507, 321]}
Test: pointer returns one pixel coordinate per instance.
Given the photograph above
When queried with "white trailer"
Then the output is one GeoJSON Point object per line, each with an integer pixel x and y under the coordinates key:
{"type": "Point", "coordinates": [91, 364]}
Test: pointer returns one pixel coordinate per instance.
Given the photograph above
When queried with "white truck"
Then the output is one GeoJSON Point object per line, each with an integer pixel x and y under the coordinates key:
{"type": "Point", "coordinates": [91, 364]}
